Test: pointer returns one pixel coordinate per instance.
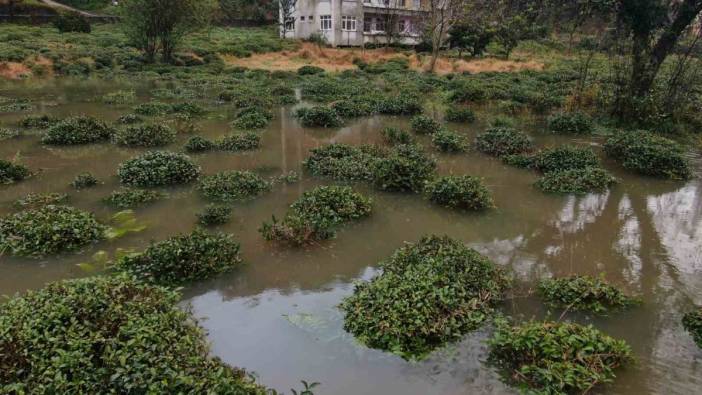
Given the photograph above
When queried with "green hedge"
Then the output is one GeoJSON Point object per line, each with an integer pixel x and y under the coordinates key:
{"type": "Point", "coordinates": [158, 168]}
{"type": "Point", "coordinates": [648, 154]}
{"type": "Point", "coordinates": [77, 131]}
{"type": "Point", "coordinates": [233, 185]}
{"type": "Point", "coordinates": [462, 192]}
{"type": "Point", "coordinates": [585, 293]}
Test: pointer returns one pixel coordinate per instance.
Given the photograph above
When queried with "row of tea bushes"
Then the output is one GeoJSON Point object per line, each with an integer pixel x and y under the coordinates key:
{"type": "Point", "coordinates": [236, 142]}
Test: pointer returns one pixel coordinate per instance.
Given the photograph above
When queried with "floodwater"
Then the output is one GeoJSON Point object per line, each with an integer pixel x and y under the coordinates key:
{"type": "Point", "coordinates": [276, 316]}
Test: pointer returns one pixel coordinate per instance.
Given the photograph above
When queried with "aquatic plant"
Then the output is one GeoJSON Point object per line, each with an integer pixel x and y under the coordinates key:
{"type": "Point", "coordinates": [557, 358]}
{"type": "Point", "coordinates": [48, 230]}
{"type": "Point", "coordinates": [233, 185]}
{"type": "Point", "coordinates": [131, 197]}
{"type": "Point", "coordinates": [422, 124]}
{"type": "Point", "coordinates": [244, 141]}
{"type": "Point", "coordinates": [692, 322]}
{"type": "Point", "coordinates": [501, 141]}
{"type": "Point", "coordinates": [404, 169]}
{"type": "Point", "coordinates": [252, 118]}
{"type": "Point", "coordinates": [37, 200]}
{"type": "Point", "coordinates": [448, 141]}
{"type": "Point", "coordinates": [429, 293]}
{"type": "Point", "coordinates": [576, 181]}
{"type": "Point", "coordinates": [459, 114]}
{"type": "Point", "coordinates": [316, 215]}
{"type": "Point", "coordinates": [645, 153]}
{"type": "Point", "coordinates": [199, 144]}
{"type": "Point", "coordinates": [342, 162]}
{"type": "Point", "coordinates": [84, 180]}
{"type": "Point", "coordinates": [78, 130]}
{"type": "Point", "coordinates": [462, 192]}
{"type": "Point", "coordinates": [147, 135]}
{"type": "Point", "coordinates": [214, 214]}
{"type": "Point", "coordinates": [158, 168]}
{"type": "Point", "coordinates": [395, 136]}
{"type": "Point", "coordinates": [570, 123]}
{"type": "Point", "coordinates": [318, 116]}
{"type": "Point", "coordinates": [183, 259]}
{"type": "Point", "coordinates": [38, 121]}
{"type": "Point", "coordinates": [12, 172]}
{"type": "Point", "coordinates": [154, 346]}
{"type": "Point", "coordinates": [584, 293]}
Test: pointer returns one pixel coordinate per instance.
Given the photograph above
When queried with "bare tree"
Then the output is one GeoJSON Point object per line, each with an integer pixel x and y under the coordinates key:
{"type": "Point", "coordinates": [440, 16]}
{"type": "Point", "coordinates": [287, 9]}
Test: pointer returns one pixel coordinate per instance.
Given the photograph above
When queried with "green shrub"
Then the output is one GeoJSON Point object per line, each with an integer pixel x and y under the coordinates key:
{"type": "Point", "coordinates": [570, 123]}
{"type": "Point", "coordinates": [12, 172]}
{"type": "Point", "coordinates": [245, 141]}
{"type": "Point", "coordinates": [153, 108]}
{"type": "Point", "coordinates": [129, 119]}
{"type": "Point", "coordinates": [557, 358]}
{"type": "Point", "coordinates": [459, 114]}
{"type": "Point", "coordinates": [233, 185]}
{"type": "Point", "coordinates": [186, 108]}
{"type": "Point", "coordinates": [119, 97]}
{"type": "Point", "coordinates": [131, 198]}
{"type": "Point", "coordinates": [422, 124]}
{"type": "Point", "coordinates": [252, 118]}
{"type": "Point", "coordinates": [48, 230]}
{"type": "Point", "coordinates": [584, 293]}
{"type": "Point", "coordinates": [692, 322]}
{"type": "Point", "coordinates": [502, 121]}
{"type": "Point", "coordinates": [405, 169]}
{"type": "Point", "coordinates": [158, 168]}
{"type": "Point", "coordinates": [118, 335]}
{"type": "Point", "coordinates": [468, 91]}
{"type": "Point", "coordinates": [353, 107]}
{"type": "Point", "coordinates": [564, 157]}
{"type": "Point", "coordinates": [318, 116]}
{"type": "Point", "coordinates": [576, 181]}
{"type": "Point", "coordinates": [183, 259]}
{"type": "Point", "coordinates": [396, 136]}
{"type": "Point", "coordinates": [448, 141]}
{"type": "Point", "coordinates": [503, 141]}
{"type": "Point", "coordinates": [77, 130]}
{"type": "Point", "coordinates": [72, 22]}
{"type": "Point", "coordinates": [199, 144]}
{"type": "Point", "coordinates": [214, 214]}
{"type": "Point", "coordinates": [84, 180]}
{"type": "Point", "coordinates": [342, 162]}
{"type": "Point", "coordinates": [648, 154]}
{"type": "Point", "coordinates": [400, 105]}
{"type": "Point", "coordinates": [37, 200]}
{"type": "Point", "coordinates": [310, 70]}
{"type": "Point", "coordinates": [38, 121]}
{"type": "Point", "coordinates": [462, 192]}
{"type": "Point", "coordinates": [316, 215]}
{"type": "Point", "coordinates": [429, 294]}
{"type": "Point", "coordinates": [146, 135]}
{"type": "Point", "coordinates": [7, 134]}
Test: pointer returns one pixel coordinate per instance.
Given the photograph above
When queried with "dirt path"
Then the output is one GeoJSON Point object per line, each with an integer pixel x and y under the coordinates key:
{"type": "Point", "coordinates": [54, 4]}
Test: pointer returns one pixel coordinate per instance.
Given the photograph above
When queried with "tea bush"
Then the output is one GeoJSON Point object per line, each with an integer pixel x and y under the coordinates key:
{"type": "Point", "coordinates": [429, 294]}
{"type": "Point", "coordinates": [570, 123]}
{"type": "Point", "coordinates": [462, 192]}
{"type": "Point", "coordinates": [183, 259]}
{"type": "Point", "coordinates": [502, 141]}
{"type": "Point", "coordinates": [245, 141]}
{"type": "Point", "coordinates": [404, 169]}
{"type": "Point", "coordinates": [584, 293]}
{"type": "Point", "coordinates": [459, 114]}
{"type": "Point", "coordinates": [84, 180]}
{"type": "Point", "coordinates": [158, 168]}
{"type": "Point", "coordinates": [422, 124]}
{"type": "Point", "coordinates": [648, 154]}
{"type": "Point", "coordinates": [131, 198]}
{"type": "Point", "coordinates": [78, 130]}
{"type": "Point", "coordinates": [214, 214]}
{"type": "Point", "coordinates": [565, 157]}
{"type": "Point", "coordinates": [395, 136]}
{"type": "Point", "coordinates": [72, 22]}
{"type": "Point", "coordinates": [118, 335]}
{"type": "Point", "coordinates": [48, 230]}
{"type": "Point", "coordinates": [318, 116]}
{"type": "Point", "coordinates": [12, 172]}
{"type": "Point", "coordinates": [310, 70]}
{"type": "Point", "coordinates": [129, 119]}
{"type": "Point", "coordinates": [151, 109]}
{"type": "Point", "coordinates": [38, 121]}
{"type": "Point", "coordinates": [557, 358]}
{"type": "Point", "coordinates": [252, 118]}
{"type": "Point", "coordinates": [199, 144]}
{"type": "Point", "coordinates": [404, 104]}
{"type": "Point", "coordinates": [146, 135]}
{"type": "Point", "coordinates": [576, 181]}
{"type": "Point", "coordinates": [37, 200]}
{"type": "Point", "coordinates": [342, 162]}
{"type": "Point", "coordinates": [233, 185]}
{"type": "Point", "coordinates": [354, 107]}
{"type": "Point", "coordinates": [316, 215]}
{"type": "Point", "coordinates": [692, 322]}
{"type": "Point", "coordinates": [447, 141]}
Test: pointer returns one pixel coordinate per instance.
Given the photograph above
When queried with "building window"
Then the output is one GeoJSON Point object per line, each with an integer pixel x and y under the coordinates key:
{"type": "Point", "coordinates": [348, 23]}
{"type": "Point", "coordinates": [311, 18]}
{"type": "Point", "coordinates": [402, 26]}
{"type": "Point", "coordinates": [302, 18]}
{"type": "Point", "coordinates": [367, 24]}
{"type": "Point", "coordinates": [290, 24]}
{"type": "Point", "coordinates": [379, 25]}
{"type": "Point", "coordinates": [417, 4]}
{"type": "Point", "coordinates": [325, 22]}
{"type": "Point", "coordinates": [401, 3]}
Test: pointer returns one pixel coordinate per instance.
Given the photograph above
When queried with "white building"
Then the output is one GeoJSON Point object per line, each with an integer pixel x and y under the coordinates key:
{"type": "Point", "coordinates": [356, 22]}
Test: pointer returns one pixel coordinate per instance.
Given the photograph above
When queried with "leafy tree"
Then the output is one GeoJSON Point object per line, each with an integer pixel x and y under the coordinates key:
{"type": "Point", "coordinates": [469, 37]}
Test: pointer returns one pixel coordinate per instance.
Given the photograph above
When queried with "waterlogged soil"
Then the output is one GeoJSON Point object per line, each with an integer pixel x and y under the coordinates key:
{"type": "Point", "coordinates": [277, 316]}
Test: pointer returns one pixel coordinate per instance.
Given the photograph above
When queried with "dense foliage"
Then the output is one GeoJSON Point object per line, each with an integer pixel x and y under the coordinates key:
{"type": "Point", "coordinates": [214, 214]}
{"type": "Point", "coordinates": [501, 141]}
{"type": "Point", "coordinates": [131, 197]}
{"type": "Point", "coordinates": [459, 114]}
{"type": "Point", "coordinates": [146, 135]}
{"type": "Point", "coordinates": [570, 123]}
{"type": "Point", "coordinates": [576, 181]}
{"type": "Point", "coordinates": [648, 154]}
{"type": "Point", "coordinates": [429, 293]}
{"type": "Point", "coordinates": [108, 334]}
{"type": "Point", "coordinates": [158, 168]}
{"type": "Point", "coordinates": [447, 141]}
{"type": "Point", "coordinates": [245, 141]}
{"type": "Point", "coordinates": [422, 124]}
{"type": "Point", "coordinates": [584, 293]}
{"type": "Point", "coordinates": [48, 230]}
{"type": "Point", "coordinates": [316, 215]}
{"type": "Point", "coordinates": [12, 172]}
{"type": "Point", "coordinates": [319, 116]}
{"type": "Point", "coordinates": [183, 259]}
{"type": "Point", "coordinates": [564, 157]}
{"type": "Point", "coordinates": [557, 358]}
{"type": "Point", "coordinates": [233, 185]}
{"type": "Point", "coordinates": [692, 322]}
{"type": "Point", "coordinates": [342, 162]}
{"type": "Point", "coordinates": [38, 121]}
{"type": "Point", "coordinates": [72, 22]}
{"type": "Point", "coordinates": [404, 169]}
{"type": "Point", "coordinates": [84, 180]}
{"type": "Point", "coordinates": [254, 117]}
{"type": "Point", "coordinates": [462, 192]}
{"type": "Point", "coordinates": [199, 144]}
{"type": "Point", "coordinates": [78, 130]}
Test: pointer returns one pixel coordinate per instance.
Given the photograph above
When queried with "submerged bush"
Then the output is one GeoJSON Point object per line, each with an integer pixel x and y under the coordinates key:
{"type": "Point", "coordinates": [158, 168]}
{"type": "Point", "coordinates": [48, 230]}
{"type": "Point", "coordinates": [84, 180]}
{"type": "Point", "coordinates": [245, 141]}
{"type": "Point", "coordinates": [648, 154]}
{"type": "Point", "coordinates": [39, 121]}
{"type": "Point", "coordinates": [77, 130]}
{"type": "Point", "coordinates": [214, 214]}
{"type": "Point", "coordinates": [153, 108]}
{"type": "Point", "coordinates": [557, 358]}
{"type": "Point", "coordinates": [233, 185]}
{"type": "Point", "coordinates": [503, 141]}
{"type": "Point", "coordinates": [463, 192]}
{"type": "Point", "coordinates": [400, 105]}
{"type": "Point", "coordinates": [692, 322]}
{"type": "Point", "coordinates": [405, 169]}
{"type": "Point", "coordinates": [354, 107]}
{"type": "Point", "coordinates": [129, 119]}
{"type": "Point", "coordinates": [12, 172]}
{"type": "Point", "coordinates": [565, 157]}
{"type": "Point", "coordinates": [252, 118]}
{"type": "Point", "coordinates": [342, 162]}
{"type": "Point", "coordinates": [7, 134]}
{"type": "Point", "coordinates": [429, 294]}
{"type": "Point", "coordinates": [119, 97]}
{"type": "Point", "coordinates": [396, 136]}
{"type": "Point", "coordinates": [318, 116]}
{"type": "Point", "coordinates": [37, 200]}
{"type": "Point", "coordinates": [131, 198]}
{"type": "Point", "coordinates": [459, 114]}
{"type": "Point", "coordinates": [199, 144]}
{"type": "Point", "coordinates": [576, 181]}
{"type": "Point", "coordinates": [118, 335]}
{"type": "Point", "coordinates": [147, 135]}
{"type": "Point", "coordinates": [316, 215]}
{"type": "Point", "coordinates": [422, 124]}
{"type": "Point", "coordinates": [183, 259]}
{"type": "Point", "coordinates": [570, 123]}
{"type": "Point", "coordinates": [584, 293]}
{"type": "Point", "coordinates": [448, 141]}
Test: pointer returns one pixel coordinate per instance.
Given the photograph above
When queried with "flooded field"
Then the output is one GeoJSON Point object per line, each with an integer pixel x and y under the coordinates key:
{"type": "Point", "coordinates": [277, 315]}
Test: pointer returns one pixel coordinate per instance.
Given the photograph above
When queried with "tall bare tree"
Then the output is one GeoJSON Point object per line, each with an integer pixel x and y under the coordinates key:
{"type": "Point", "coordinates": [440, 17]}
{"type": "Point", "coordinates": [287, 10]}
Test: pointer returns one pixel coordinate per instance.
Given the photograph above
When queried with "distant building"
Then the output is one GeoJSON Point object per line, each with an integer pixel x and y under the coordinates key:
{"type": "Point", "coordinates": [356, 22]}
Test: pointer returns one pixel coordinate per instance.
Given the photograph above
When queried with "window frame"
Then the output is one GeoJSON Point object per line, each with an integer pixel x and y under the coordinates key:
{"type": "Point", "coordinates": [348, 23]}
{"type": "Point", "coordinates": [323, 20]}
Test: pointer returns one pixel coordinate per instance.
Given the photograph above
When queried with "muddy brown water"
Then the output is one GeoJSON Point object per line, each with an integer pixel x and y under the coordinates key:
{"type": "Point", "coordinates": [276, 316]}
